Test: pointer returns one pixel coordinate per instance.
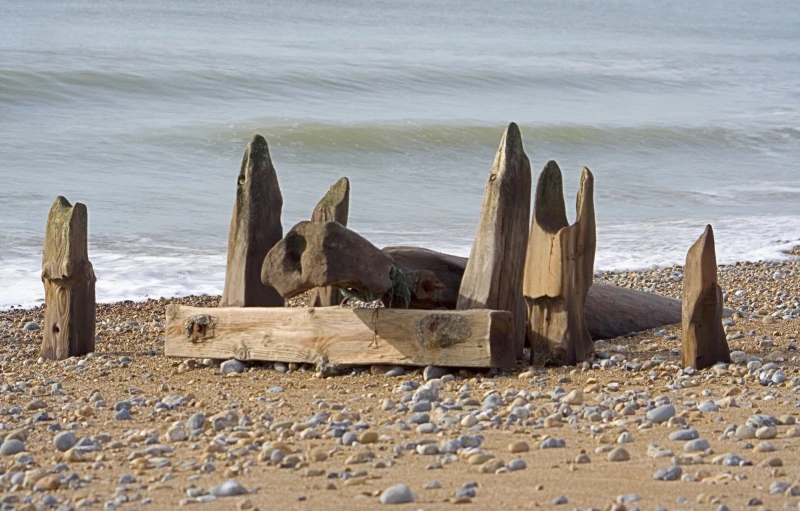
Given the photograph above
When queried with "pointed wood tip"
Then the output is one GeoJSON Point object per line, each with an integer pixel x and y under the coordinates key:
{"type": "Point", "coordinates": [704, 249]}
{"type": "Point", "coordinates": [61, 202]}
{"type": "Point", "coordinates": [257, 145]}
{"type": "Point", "coordinates": [512, 140]}
{"type": "Point", "coordinates": [549, 209]}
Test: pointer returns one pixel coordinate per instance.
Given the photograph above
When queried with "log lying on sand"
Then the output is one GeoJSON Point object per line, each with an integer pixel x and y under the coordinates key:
{"type": "Point", "coordinates": [334, 207]}
{"type": "Point", "coordinates": [559, 270]}
{"type": "Point", "coordinates": [610, 312]}
{"type": "Point", "coordinates": [339, 336]}
{"type": "Point", "coordinates": [494, 273]}
{"type": "Point", "coordinates": [69, 281]}
{"type": "Point", "coordinates": [704, 342]}
{"type": "Point", "coordinates": [447, 271]}
{"type": "Point", "coordinates": [320, 254]}
{"type": "Point", "coordinates": [255, 229]}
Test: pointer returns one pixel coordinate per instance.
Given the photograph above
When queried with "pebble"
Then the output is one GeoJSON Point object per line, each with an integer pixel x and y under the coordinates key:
{"type": "Point", "coordinates": [196, 421]}
{"type": "Point", "coordinates": [11, 447]}
{"type": "Point", "coordinates": [123, 415]}
{"type": "Point", "coordinates": [661, 414]}
{"type": "Point", "coordinates": [517, 464]}
{"type": "Point", "coordinates": [553, 443]}
{"type": "Point", "coordinates": [515, 447]}
{"type": "Point", "coordinates": [671, 473]}
{"type": "Point", "coordinates": [619, 454]}
{"type": "Point", "coordinates": [684, 434]}
{"type": "Point", "coordinates": [229, 488]}
{"type": "Point", "coordinates": [397, 494]}
{"type": "Point", "coordinates": [574, 398]}
{"type": "Point", "coordinates": [560, 500]}
{"type": "Point", "coordinates": [698, 444]}
{"type": "Point", "coordinates": [64, 441]}
{"type": "Point", "coordinates": [434, 372]}
{"type": "Point", "coordinates": [766, 432]}
{"type": "Point", "coordinates": [232, 366]}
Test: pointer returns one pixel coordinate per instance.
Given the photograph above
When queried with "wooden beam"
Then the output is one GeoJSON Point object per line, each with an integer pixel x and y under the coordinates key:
{"type": "Point", "coordinates": [473, 338]}
{"type": "Point", "coordinates": [494, 272]}
{"type": "Point", "coordinates": [69, 281]}
{"type": "Point", "coordinates": [255, 228]}
{"type": "Point", "coordinates": [334, 207]}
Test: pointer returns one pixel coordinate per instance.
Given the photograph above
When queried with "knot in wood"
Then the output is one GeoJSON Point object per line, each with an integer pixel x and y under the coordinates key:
{"type": "Point", "coordinates": [199, 327]}
{"type": "Point", "coordinates": [442, 330]}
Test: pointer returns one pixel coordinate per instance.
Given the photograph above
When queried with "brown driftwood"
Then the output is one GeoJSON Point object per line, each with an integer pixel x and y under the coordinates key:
{"type": "Point", "coordinates": [559, 269]}
{"type": "Point", "coordinates": [441, 276]}
{"type": "Point", "coordinates": [320, 254]}
{"type": "Point", "coordinates": [339, 336]}
{"type": "Point", "coordinates": [611, 311]}
{"type": "Point", "coordinates": [255, 229]}
{"type": "Point", "coordinates": [493, 277]}
{"type": "Point", "coordinates": [334, 207]}
{"type": "Point", "coordinates": [69, 281]}
{"type": "Point", "coordinates": [704, 342]}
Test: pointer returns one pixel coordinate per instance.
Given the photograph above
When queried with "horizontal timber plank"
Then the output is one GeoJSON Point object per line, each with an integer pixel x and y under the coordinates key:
{"type": "Point", "coordinates": [469, 338]}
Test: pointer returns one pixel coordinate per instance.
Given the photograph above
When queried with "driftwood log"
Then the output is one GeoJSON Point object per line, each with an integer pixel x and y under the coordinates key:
{"type": "Point", "coordinates": [494, 273]}
{"type": "Point", "coordinates": [321, 254]}
{"type": "Point", "coordinates": [559, 269]}
{"type": "Point", "coordinates": [704, 342]}
{"type": "Point", "coordinates": [69, 282]}
{"type": "Point", "coordinates": [334, 207]}
{"type": "Point", "coordinates": [339, 336]}
{"type": "Point", "coordinates": [255, 229]}
{"type": "Point", "coordinates": [611, 311]}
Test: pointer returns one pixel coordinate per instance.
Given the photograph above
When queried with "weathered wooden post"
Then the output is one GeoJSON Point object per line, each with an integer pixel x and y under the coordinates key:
{"type": "Point", "coordinates": [334, 207]}
{"type": "Point", "coordinates": [559, 269]}
{"type": "Point", "coordinates": [704, 342]}
{"type": "Point", "coordinates": [68, 278]}
{"type": "Point", "coordinates": [255, 229]}
{"type": "Point", "coordinates": [493, 276]}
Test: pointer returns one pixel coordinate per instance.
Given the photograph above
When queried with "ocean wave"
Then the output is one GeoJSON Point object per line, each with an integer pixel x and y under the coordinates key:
{"type": "Point", "coordinates": [406, 136]}
{"type": "Point", "coordinates": [321, 80]}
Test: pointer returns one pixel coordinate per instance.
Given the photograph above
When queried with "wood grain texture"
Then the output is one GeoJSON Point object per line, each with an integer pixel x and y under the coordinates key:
{"type": "Point", "coordinates": [474, 338]}
{"type": "Point", "coordinates": [559, 270]}
{"type": "Point", "coordinates": [494, 272]}
{"type": "Point", "coordinates": [704, 342]}
{"type": "Point", "coordinates": [69, 283]}
{"type": "Point", "coordinates": [255, 228]}
{"type": "Point", "coordinates": [334, 207]}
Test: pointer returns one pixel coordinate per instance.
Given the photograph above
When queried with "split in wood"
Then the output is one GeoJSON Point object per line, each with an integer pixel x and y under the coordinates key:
{"type": "Point", "coordinates": [559, 270]}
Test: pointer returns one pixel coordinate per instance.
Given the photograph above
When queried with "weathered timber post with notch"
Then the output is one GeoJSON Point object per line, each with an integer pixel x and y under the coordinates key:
{"type": "Point", "coordinates": [334, 207]}
{"type": "Point", "coordinates": [559, 269]}
{"type": "Point", "coordinates": [255, 228]}
{"type": "Point", "coordinates": [69, 283]}
{"type": "Point", "coordinates": [704, 342]}
{"type": "Point", "coordinates": [494, 272]}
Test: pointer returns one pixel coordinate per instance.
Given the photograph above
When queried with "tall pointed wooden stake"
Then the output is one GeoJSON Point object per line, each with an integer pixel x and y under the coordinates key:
{"type": "Point", "coordinates": [69, 280]}
{"type": "Point", "coordinates": [255, 229]}
{"type": "Point", "coordinates": [704, 342]}
{"type": "Point", "coordinates": [493, 276]}
{"type": "Point", "coordinates": [559, 269]}
{"type": "Point", "coordinates": [334, 207]}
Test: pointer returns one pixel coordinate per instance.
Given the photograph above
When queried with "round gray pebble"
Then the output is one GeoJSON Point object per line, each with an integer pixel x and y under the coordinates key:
{"type": "Point", "coordinates": [397, 494]}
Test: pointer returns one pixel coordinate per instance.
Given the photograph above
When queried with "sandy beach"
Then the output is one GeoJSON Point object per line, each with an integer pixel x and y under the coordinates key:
{"type": "Point", "coordinates": [128, 428]}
